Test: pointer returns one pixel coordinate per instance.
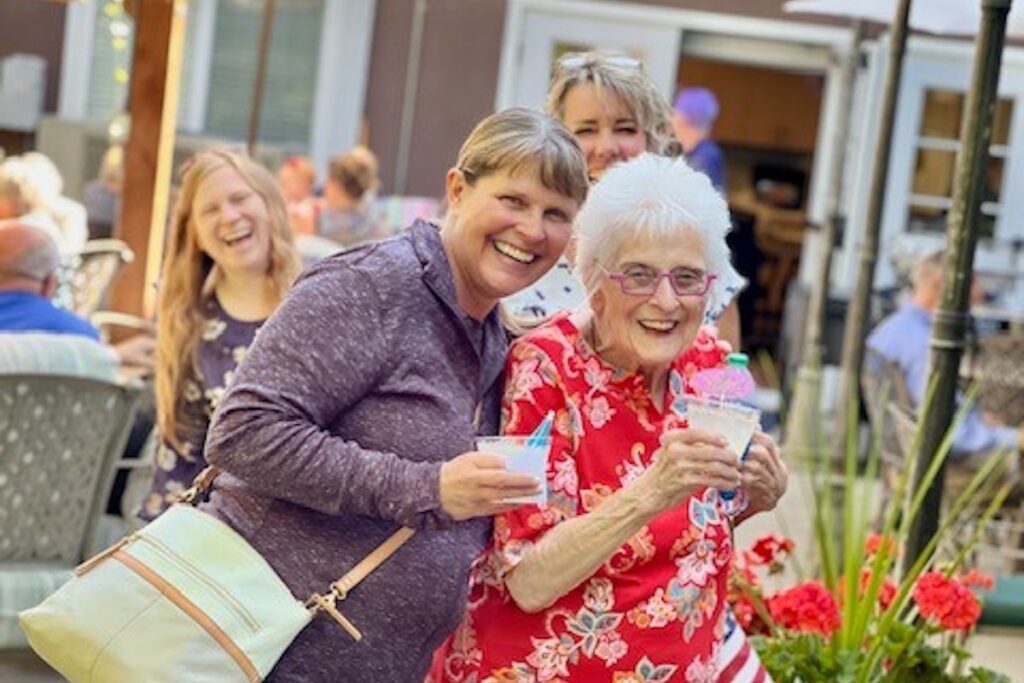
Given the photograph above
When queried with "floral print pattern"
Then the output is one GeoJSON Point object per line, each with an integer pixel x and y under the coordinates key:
{"type": "Point", "coordinates": [653, 612]}
{"type": "Point", "coordinates": [222, 346]}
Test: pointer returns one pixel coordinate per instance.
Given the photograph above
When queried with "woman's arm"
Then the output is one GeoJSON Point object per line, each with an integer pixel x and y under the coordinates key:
{"type": "Point", "coordinates": [319, 354]}
{"type": "Point", "coordinates": [570, 552]}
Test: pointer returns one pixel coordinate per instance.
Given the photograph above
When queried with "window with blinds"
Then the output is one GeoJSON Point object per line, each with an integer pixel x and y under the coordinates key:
{"type": "Point", "coordinates": [291, 70]}
{"type": "Point", "coordinates": [938, 143]}
{"type": "Point", "coordinates": [108, 77]}
{"type": "Point", "coordinates": [289, 90]}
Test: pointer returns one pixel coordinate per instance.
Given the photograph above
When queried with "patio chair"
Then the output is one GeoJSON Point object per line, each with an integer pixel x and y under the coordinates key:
{"type": "Point", "coordinates": [1000, 373]}
{"type": "Point", "coordinates": [59, 440]}
{"type": "Point", "coordinates": [89, 274]}
{"type": "Point", "coordinates": [882, 381]}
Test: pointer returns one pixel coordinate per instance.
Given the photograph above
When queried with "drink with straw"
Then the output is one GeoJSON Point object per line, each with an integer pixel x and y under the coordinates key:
{"type": "Point", "coordinates": [524, 454]}
{"type": "Point", "coordinates": [717, 408]}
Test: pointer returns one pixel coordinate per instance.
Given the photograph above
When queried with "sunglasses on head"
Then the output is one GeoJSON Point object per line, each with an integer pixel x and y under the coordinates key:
{"type": "Point", "coordinates": [578, 60]}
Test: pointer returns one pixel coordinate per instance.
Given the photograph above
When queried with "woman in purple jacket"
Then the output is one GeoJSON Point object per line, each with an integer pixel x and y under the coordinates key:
{"type": "Point", "coordinates": [355, 409]}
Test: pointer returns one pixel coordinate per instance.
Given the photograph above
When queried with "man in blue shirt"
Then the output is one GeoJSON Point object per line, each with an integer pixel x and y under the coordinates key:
{"type": "Point", "coordinates": [696, 110]}
{"type": "Point", "coordinates": [28, 278]}
{"type": "Point", "coordinates": [904, 338]}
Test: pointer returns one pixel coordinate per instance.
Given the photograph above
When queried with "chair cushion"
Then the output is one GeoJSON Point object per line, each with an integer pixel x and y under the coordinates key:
{"type": "Point", "coordinates": [56, 354]}
{"type": "Point", "coordinates": [1004, 605]}
{"type": "Point", "coordinates": [23, 586]}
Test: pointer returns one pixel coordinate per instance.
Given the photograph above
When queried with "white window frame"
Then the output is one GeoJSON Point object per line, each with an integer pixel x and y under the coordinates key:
{"type": "Point", "coordinates": [342, 71]}
{"type": "Point", "coordinates": [931, 63]}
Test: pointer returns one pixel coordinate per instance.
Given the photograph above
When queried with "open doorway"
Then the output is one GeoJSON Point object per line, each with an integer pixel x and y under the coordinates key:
{"type": "Point", "coordinates": [767, 129]}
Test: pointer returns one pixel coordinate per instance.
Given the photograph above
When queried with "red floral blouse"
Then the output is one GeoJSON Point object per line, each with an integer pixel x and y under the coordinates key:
{"type": "Point", "coordinates": [654, 611]}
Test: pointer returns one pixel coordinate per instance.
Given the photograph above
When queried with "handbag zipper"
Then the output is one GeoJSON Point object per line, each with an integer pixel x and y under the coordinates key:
{"type": "Point", "coordinates": [229, 600]}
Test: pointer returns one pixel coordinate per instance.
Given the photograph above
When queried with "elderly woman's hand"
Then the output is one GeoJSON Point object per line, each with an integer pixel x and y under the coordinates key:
{"type": "Point", "coordinates": [690, 459]}
{"type": "Point", "coordinates": [764, 474]}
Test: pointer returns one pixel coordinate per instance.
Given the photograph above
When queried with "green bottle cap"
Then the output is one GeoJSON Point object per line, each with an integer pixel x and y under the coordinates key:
{"type": "Point", "coordinates": [737, 360]}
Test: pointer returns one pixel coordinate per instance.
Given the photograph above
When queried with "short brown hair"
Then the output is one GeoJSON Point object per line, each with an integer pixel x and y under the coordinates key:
{"type": "Point", "coordinates": [518, 138]}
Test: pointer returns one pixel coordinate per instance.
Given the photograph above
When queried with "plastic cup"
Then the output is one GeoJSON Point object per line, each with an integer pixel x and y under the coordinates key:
{"type": "Point", "coordinates": [737, 423]}
{"type": "Point", "coordinates": [523, 454]}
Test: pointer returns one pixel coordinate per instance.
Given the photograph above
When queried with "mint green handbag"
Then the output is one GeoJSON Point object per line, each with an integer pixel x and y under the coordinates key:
{"type": "Point", "coordinates": [185, 598]}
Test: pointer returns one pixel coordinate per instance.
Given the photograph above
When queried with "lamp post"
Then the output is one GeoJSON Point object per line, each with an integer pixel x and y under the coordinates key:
{"type": "Point", "coordinates": [950, 321]}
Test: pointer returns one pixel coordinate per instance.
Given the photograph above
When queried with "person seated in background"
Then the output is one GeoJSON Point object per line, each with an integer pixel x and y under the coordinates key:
{"type": "Point", "coordinates": [28, 279]}
{"type": "Point", "coordinates": [696, 110]}
{"type": "Point", "coordinates": [20, 199]}
{"type": "Point", "coordinates": [351, 187]}
{"type": "Point", "coordinates": [903, 338]}
{"type": "Point", "coordinates": [102, 196]}
{"type": "Point", "coordinates": [297, 178]}
{"type": "Point", "coordinates": [29, 260]}
{"type": "Point", "coordinates": [68, 214]}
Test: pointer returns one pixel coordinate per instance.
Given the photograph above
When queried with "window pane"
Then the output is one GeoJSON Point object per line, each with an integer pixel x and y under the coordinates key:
{"type": "Point", "coordinates": [942, 111]}
{"type": "Point", "coordinates": [1001, 123]}
{"type": "Point", "coordinates": [111, 60]}
{"type": "Point", "coordinates": [291, 72]}
{"type": "Point", "coordinates": [943, 114]}
{"type": "Point", "coordinates": [930, 219]}
{"type": "Point", "coordinates": [933, 173]}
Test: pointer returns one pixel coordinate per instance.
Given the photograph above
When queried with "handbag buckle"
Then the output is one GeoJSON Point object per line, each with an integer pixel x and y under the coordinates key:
{"type": "Point", "coordinates": [327, 603]}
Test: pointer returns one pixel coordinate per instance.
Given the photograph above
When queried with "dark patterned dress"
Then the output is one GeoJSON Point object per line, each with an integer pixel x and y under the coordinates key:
{"type": "Point", "coordinates": [222, 346]}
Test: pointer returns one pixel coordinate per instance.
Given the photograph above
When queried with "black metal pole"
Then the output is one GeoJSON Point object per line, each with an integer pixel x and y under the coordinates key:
{"type": "Point", "coordinates": [950, 324]}
{"type": "Point", "coordinates": [859, 310]}
{"type": "Point", "coordinates": [259, 81]}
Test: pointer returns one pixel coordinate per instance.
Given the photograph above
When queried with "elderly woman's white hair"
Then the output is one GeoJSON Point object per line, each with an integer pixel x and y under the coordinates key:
{"type": "Point", "coordinates": [651, 197]}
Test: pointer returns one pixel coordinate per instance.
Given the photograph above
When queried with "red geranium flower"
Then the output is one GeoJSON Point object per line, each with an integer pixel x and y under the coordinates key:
{"type": "Point", "coordinates": [976, 579]}
{"type": "Point", "coordinates": [771, 550]}
{"type": "Point", "coordinates": [946, 602]}
{"type": "Point", "coordinates": [808, 608]}
{"type": "Point", "coordinates": [886, 591]}
{"type": "Point", "coordinates": [880, 542]}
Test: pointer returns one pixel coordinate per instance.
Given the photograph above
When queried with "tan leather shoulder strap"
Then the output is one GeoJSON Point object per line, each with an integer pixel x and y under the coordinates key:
{"type": "Point", "coordinates": [369, 563]}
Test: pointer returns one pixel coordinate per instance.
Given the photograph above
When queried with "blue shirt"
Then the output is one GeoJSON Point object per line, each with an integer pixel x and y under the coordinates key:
{"type": "Point", "coordinates": [903, 338]}
{"type": "Point", "coordinates": [27, 312]}
{"type": "Point", "coordinates": [707, 158]}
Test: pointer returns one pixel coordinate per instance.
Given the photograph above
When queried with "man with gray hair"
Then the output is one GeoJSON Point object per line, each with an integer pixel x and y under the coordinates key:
{"type": "Point", "coordinates": [28, 278]}
{"type": "Point", "coordinates": [903, 338]}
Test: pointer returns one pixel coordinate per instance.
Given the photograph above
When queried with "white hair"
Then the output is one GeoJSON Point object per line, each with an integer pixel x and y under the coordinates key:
{"type": "Point", "coordinates": [657, 198]}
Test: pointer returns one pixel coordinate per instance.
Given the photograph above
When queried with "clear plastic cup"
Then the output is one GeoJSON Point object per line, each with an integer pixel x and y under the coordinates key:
{"type": "Point", "coordinates": [737, 423]}
{"type": "Point", "coordinates": [523, 454]}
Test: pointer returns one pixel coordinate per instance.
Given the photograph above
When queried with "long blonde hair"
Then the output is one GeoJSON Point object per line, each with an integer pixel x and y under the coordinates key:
{"type": "Point", "coordinates": [626, 78]}
{"type": "Point", "coordinates": [189, 276]}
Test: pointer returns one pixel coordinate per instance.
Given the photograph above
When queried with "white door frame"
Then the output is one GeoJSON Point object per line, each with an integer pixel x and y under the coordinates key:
{"type": "Point", "coordinates": [836, 39]}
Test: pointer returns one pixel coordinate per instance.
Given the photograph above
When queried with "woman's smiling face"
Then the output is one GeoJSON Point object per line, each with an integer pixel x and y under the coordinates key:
{"type": "Point", "coordinates": [504, 232]}
{"type": "Point", "coordinates": [607, 130]}
{"type": "Point", "coordinates": [648, 332]}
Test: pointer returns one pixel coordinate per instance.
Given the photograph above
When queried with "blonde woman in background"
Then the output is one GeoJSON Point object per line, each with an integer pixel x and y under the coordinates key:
{"type": "Point", "coordinates": [230, 260]}
{"type": "Point", "coordinates": [616, 113]}
{"type": "Point", "coordinates": [352, 184]}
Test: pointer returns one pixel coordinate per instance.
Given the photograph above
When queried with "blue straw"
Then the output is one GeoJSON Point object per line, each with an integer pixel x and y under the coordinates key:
{"type": "Point", "coordinates": [542, 432]}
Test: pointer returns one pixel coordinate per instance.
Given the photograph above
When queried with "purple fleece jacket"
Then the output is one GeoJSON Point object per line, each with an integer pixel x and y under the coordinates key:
{"type": "Point", "coordinates": [353, 394]}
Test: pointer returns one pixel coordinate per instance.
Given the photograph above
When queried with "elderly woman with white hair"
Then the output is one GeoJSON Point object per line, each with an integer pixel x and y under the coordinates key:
{"type": "Point", "coordinates": [622, 574]}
